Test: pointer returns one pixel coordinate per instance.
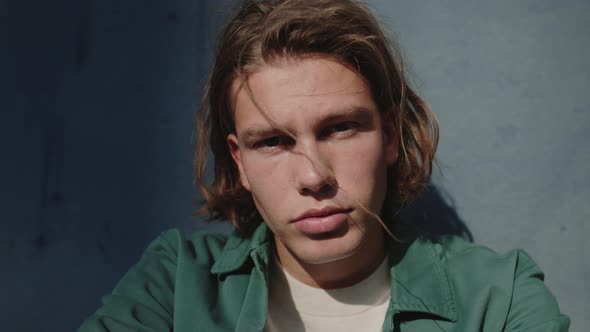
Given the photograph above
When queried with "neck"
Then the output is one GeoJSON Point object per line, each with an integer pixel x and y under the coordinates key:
{"type": "Point", "coordinates": [340, 273]}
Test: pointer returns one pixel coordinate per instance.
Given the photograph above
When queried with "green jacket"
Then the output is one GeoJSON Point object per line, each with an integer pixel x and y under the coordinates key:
{"type": "Point", "coordinates": [208, 282]}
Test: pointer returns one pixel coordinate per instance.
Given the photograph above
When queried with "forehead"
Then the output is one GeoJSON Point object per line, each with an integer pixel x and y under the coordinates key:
{"type": "Point", "coordinates": [299, 92]}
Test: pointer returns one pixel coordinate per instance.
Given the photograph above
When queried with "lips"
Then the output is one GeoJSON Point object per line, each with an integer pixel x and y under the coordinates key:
{"type": "Point", "coordinates": [318, 221]}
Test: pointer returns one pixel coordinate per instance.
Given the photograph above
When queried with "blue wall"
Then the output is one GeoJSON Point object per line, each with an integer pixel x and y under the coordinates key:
{"type": "Point", "coordinates": [510, 84]}
{"type": "Point", "coordinates": [98, 101]}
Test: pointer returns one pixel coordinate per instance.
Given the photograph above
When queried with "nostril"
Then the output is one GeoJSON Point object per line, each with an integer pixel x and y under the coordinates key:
{"type": "Point", "coordinates": [312, 173]}
{"type": "Point", "coordinates": [326, 190]}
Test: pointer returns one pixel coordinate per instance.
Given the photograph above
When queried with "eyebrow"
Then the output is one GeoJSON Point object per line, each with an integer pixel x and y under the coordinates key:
{"type": "Point", "coordinates": [258, 131]}
{"type": "Point", "coordinates": [360, 113]}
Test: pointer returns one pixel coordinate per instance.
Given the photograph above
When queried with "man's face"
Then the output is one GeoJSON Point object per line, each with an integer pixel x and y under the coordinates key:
{"type": "Point", "coordinates": [313, 150]}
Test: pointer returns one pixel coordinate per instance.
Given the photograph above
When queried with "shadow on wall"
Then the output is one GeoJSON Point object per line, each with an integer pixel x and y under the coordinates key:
{"type": "Point", "coordinates": [433, 215]}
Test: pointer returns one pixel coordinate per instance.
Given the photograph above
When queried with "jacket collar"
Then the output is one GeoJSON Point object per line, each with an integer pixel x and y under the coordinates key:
{"type": "Point", "coordinates": [238, 250]}
{"type": "Point", "coordinates": [419, 281]}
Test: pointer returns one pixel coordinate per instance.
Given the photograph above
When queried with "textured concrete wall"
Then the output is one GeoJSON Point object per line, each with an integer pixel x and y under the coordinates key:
{"type": "Point", "coordinates": [509, 81]}
{"type": "Point", "coordinates": [97, 104]}
{"type": "Point", "coordinates": [97, 107]}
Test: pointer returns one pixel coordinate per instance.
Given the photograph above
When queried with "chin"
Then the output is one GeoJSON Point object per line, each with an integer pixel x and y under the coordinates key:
{"type": "Point", "coordinates": [327, 250]}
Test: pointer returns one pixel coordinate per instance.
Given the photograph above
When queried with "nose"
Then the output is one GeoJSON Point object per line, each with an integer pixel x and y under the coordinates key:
{"type": "Point", "coordinates": [313, 175]}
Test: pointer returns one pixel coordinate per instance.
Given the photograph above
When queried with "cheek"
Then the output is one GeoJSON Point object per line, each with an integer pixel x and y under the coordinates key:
{"type": "Point", "coordinates": [256, 167]}
{"type": "Point", "coordinates": [365, 159]}
{"type": "Point", "coordinates": [362, 170]}
{"type": "Point", "coordinates": [267, 179]}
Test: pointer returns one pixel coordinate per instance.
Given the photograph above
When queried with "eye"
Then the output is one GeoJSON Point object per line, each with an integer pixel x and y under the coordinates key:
{"type": "Point", "coordinates": [344, 126]}
{"type": "Point", "coordinates": [341, 128]}
{"type": "Point", "coordinates": [272, 142]}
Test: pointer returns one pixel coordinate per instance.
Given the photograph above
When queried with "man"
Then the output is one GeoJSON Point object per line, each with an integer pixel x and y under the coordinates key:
{"type": "Point", "coordinates": [317, 141]}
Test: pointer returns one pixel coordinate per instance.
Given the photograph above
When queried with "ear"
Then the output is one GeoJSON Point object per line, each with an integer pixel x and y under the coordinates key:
{"type": "Point", "coordinates": [391, 139]}
{"type": "Point", "coordinates": [234, 149]}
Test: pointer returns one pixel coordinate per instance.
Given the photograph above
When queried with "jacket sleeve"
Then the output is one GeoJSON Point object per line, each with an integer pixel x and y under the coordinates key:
{"type": "Point", "coordinates": [533, 307]}
{"type": "Point", "coordinates": [143, 299]}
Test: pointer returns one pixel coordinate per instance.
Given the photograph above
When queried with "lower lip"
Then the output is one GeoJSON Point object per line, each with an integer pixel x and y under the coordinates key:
{"type": "Point", "coordinates": [319, 225]}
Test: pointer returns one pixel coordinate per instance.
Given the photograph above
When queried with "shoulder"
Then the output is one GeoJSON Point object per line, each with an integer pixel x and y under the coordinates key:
{"type": "Point", "coordinates": [471, 266]}
{"type": "Point", "coordinates": [146, 298]}
{"type": "Point", "coordinates": [508, 285]}
{"type": "Point", "coordinates": [458, 255]}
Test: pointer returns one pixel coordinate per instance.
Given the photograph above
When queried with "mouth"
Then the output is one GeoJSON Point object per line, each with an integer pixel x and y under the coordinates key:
{"type": "Point", "coordinates": [316, 222]}
{"type": "Point", "coordinates": [320, 213]}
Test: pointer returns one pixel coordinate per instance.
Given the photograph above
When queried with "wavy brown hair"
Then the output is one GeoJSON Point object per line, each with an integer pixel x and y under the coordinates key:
{"type": "Point", "coordinates": [264, 32]}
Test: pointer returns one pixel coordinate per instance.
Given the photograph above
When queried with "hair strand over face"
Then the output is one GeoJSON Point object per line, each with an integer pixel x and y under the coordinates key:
{"type": "Point", "coordinates": [268, 32]}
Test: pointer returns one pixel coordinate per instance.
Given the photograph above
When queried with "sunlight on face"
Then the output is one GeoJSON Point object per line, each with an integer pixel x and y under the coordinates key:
{"type": "Point", "coordinates": [312, 149]}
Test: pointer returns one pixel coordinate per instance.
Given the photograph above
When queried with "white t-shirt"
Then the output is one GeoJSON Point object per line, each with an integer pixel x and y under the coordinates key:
{"type": "Point", "coordinates": [295, 306]}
